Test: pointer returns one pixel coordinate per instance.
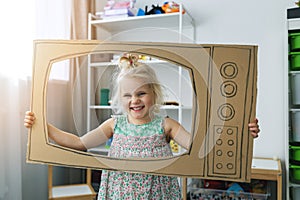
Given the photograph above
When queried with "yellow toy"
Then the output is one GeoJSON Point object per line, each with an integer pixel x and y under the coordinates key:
{"type": "Point", "coordinates": [174, 146]}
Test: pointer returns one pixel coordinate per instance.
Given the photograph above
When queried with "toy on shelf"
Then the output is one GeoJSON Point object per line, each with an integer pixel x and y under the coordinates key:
{"type": "Point", "coordinates": [167, 7]}
{"type": "Point", "coordinates": [219, 190]}
{"type": "Point", "coordinates": [171, 7]}
{"type": "Point", "coordinates": [174, 146]}
{"type": "Point", "coordinates": [118, 9]}
{"type": "Point", "coordinates": [156, 9]}
{"type": "Point", "coordinates": [234, 189]}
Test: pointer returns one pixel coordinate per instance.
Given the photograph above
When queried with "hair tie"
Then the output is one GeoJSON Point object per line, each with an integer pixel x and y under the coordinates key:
{"type": "Point", "coordinates": [128, 61]}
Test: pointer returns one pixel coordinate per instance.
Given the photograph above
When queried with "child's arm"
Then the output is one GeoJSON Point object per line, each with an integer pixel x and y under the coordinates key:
{"type": "Point", "coordinates": [183, 138]}
{"type": "Point", "coordinates": [65, 139]}
{"type": "Point", "coordinates": [177, 133]}
{"type": "Point", "coordinates": [89, 140]}
{"type": "Point", "coordinates": [99, 135]}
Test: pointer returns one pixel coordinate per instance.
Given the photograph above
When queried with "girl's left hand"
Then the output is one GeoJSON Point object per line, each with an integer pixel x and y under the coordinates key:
{"type": "Point", "coordinates": [254, 128]}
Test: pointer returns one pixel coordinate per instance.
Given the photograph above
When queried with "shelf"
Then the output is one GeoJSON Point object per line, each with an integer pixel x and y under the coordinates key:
{"type": "Point", "coordinates": [295, 109]}
{"type": "Point", "coordinates": [294, 72]}
{"type": "Point", "coordinates": [170, 20]}
{"type": "Point", "coordinates": [294, 24]}
{"type": "Point", "coordinates": [114, 64]}
{"type": "Point", "coordinates": [101, 150]}
{"type": "Point", "coordinates": [263, 169]}
{"type": "Point", "coordinates": [99, 107]}
{"type": "Point", "coordinates": [268, 169]}
{"type": "Point", "coordinates": [178, 21]}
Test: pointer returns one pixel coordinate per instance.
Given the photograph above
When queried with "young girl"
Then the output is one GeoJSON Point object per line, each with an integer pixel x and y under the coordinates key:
{"type": "Point", "coordinates": [138, 132]}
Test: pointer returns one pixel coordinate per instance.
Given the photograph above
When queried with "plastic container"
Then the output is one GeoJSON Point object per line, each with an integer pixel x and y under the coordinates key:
{"type": "Point", "coordinates": [295, 192]}
{"type": "Point", "coordinates": [209, 189]}
{"type": "Point", "coordinates": [295, 88]}
{"type": "Point", "coordinates": [295, 154]}
{"type": "Point", "coordinates": [104, 96]}
{"type": "Point", "coordinates": [295, 115]}
{"type": "Point", "coordinates": [294, 61]}
{"type": "Point", "coordinates": [294, 41]}
{"type": "Point", "coordinates": [295, 173]}
{"type": "Point", "coordinates": [201, 193]}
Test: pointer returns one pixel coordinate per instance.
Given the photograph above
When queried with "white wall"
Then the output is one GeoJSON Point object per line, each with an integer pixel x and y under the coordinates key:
{"type": "Point", "coordinates": [262, 23]}
{"type": "Point", "coordinates": [253, 22]}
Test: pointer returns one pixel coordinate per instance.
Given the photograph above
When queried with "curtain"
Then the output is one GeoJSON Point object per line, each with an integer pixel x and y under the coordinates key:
{"type": "Point", "coordinates": [16, 58]}
{"type": "Point", "coordinates": [42, 19]}
{"type": "Point", "coordinates": [22, 22]}
{"type": "Point", "coordinates": [78, 78]}
{"type": "Point", "coordinates": [15, 97]}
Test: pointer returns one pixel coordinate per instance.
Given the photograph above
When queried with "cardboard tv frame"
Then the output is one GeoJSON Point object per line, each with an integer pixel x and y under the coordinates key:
{"type": "Point", "coordinates": [224, 78]}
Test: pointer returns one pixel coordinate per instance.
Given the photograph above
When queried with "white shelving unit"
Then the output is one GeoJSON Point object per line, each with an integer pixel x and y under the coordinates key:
{"type": "Point", "coordinates": [178, 21]}
{"type": "Point", "coordinates": [292, 189]}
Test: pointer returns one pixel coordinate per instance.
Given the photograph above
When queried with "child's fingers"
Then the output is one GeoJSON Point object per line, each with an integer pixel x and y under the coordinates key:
{"type": "Point", "coordinates": [29, 113]}
{"type": "Point", "coordinates": [254, 128]}
{"type": "Point", "coordinates": [28, 123]}
{"type": "Point", "coordinates": [254, 134]}
{"type": "Point", "coordinates": [29, 119]}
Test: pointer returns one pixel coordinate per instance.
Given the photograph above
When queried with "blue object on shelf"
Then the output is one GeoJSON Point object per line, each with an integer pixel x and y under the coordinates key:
{"type": "Point", "coordinates": [140, 12]}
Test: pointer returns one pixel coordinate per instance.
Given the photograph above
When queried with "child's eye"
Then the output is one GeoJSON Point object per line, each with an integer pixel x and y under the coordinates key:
{"type": "Point", "coordinates": [141, 93]}
{"type": "Point", "coordinates": [127, 95]}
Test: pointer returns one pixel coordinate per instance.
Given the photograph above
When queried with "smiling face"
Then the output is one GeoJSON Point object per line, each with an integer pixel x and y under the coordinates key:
{"type": "Point", "coordinates": [137, 99]}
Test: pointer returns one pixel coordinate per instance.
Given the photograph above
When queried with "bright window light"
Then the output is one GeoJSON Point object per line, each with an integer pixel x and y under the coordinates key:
{"type": "Point", "coordinates": [23, 22]}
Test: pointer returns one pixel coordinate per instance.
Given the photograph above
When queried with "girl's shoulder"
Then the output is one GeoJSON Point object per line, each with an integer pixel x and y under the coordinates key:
{"type": "Point", "coordinates": [109, 123]}
{"type": "Point", "coordinates": [170, 123]}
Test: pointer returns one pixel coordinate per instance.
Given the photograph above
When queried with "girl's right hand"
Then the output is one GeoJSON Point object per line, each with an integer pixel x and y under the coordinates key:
{"type": "Point", "coordinates": [29, 119]}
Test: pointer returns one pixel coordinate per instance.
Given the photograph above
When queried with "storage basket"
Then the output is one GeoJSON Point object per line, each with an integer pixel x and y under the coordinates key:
{"type": "Point", "coordinates": [295, 117]}
{"type": "Point", "coordinates": [295, 173]}
{"type": "Point", "coordinates": [294, 41]}
{"type": "Point", "coordinates": [199, 189]}
{"type": "Point", "coordinates": [295, 192]}
{"type": "Point", "coordinates": [294, 61]}
{"type": "Point", "coordinates": [295, 154]}
{"type": "Point", "coordinates": [295, 87]}
{"type": "Point", "coordinates": [201, 193]}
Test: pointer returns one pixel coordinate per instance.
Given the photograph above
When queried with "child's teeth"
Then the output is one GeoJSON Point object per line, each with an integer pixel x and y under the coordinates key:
{"type": "Point", "coordinates": [137, 108]}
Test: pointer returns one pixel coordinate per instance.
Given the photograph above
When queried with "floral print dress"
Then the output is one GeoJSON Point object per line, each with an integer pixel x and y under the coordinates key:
{"type": "Point", "coordinates": [144, 141]}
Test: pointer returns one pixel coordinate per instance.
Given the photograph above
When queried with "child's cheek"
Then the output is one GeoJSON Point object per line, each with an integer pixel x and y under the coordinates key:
{"type": "Point", "coordinates": [125, 104]}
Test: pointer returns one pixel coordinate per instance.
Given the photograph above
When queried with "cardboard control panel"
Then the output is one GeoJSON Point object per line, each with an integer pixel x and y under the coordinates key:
{"type": "Point", "coordinates": [228, 130]}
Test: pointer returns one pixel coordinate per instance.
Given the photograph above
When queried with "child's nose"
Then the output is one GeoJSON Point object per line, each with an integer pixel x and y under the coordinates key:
{"type": "Point", "coordinates": [135, 99]}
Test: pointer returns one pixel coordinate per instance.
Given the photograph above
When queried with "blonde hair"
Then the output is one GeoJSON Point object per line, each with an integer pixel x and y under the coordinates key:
{"type": "Point", "coordinates": [133, 69]}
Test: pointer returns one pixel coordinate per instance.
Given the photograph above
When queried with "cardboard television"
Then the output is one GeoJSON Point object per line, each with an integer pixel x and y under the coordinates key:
{"type": "Point", "coordinates": [223, 78]}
